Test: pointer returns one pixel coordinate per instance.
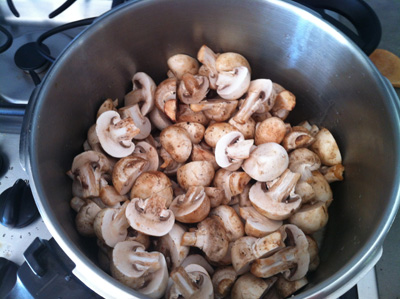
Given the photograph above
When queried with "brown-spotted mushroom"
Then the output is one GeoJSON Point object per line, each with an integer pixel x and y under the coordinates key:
{"type": "Point", "coordinates": [267, 162]}
{"type": "Point", "coordinates": [87, 169]}
{"type": "Point", "coordinates": [310, 218]}
{"type": "Point", "coordinates": [208, 58]}
{"type": "Point", "coordinates": [273, 129]}
{"type": "Point", "coordinates": [142, 122]}
{"type": "Point", "coordinates": [192, 207]}
{"type": "Point", "coordinates": [176, 141]}
{"type": "Point", "coordinates": [223, 280]}
{"type": "Point", "coordinates": [258, 225]}
{"type": "Point", "coordinates": [115, 134]}
{"type": "Point", "coordinates": [230, 220]}
{"type": "Point", "coordinates": [192, 89]}
{"type": "Point", "coordinates": [150, 216]}
{"type": "Point", "coordinates": [218, 110]}
{"type": "Point", "coordinates": [142, 93]}
{"type": "Point", "coordinates": [326, 148]}
{"type": "Point", "coordinates": [181, 64]}
{"type": "Point", "coordinates": [145, 272]}
{"type": "Point", "coordinates": [279, 201]}
{"type": "Point", "coordinates": [249, 286]}
{"type": "Point", "coordinates": [165, 97]}
{"type": "Point", "coordinates": [232, 84]}
{"type": "Point", "coordinates": [86, 213]}
{"type": "Point", "coordinates": [215, 131]}
{"type": "Point", "coordinates": [196, 173]}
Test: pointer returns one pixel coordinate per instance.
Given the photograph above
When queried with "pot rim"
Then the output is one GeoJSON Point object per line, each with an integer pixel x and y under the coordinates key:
{"type": "Point", "coordinates": [91, 274]}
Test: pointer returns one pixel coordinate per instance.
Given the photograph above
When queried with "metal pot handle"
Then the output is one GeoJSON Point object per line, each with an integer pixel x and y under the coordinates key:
{"type": "Point", "coordinates": [358, 12]}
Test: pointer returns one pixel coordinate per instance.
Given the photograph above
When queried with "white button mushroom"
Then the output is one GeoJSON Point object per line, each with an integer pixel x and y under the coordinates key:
{"type": "Point", "coordinates": [208, 58]}
{"type": "Point", "coordinates": [195, 131]}
{"type": "Point", "coordinates": [196, 173]}
{"type": "Point", "coordinates": [143, 271]}
{"type": "Point", "coordinates": [250, 287]}
{"type": "Point", "coordinates": [273, 129]}
{"type": "Point", "coordinates": [267, 162]}
{"type": "Point", "coordinates": [176, 141]}
{"type": "Point", "coordinates": [310, 218]}
{"type": "Point", "coordinates": [115, 134]}
{"type": "Point", "coordinates": [216, 109]}
{"type": "Point", "coordinates": [231, 85]}
{"type": "Point", "coordinates": [333, 173]}
{"type": "Point", "coordinates": [185, 114]}
{"type": "Point", "coordinates": [142, 93]}
{"type": "Point", "coordinates": [304, 161]}
{"type": "Point", "coordinates": [107, 105]}
{"type": "Point", "coordinates": [192, 89]}
{"type": "Point", "coordinates": [223, 280]}
{"type": "Point", "coordinates": [86, 213]}
{"type": "Point", "coordinates": [287, 288]}
{"type": "Point", "coordinates": [230, 220]}
{"type": "Point", "coordinates": [200, 153]}
{"type": "Point", "coordinates": [215, 131]}
{"type": "Point", "coordinates": [298, 137]}
{"type": "Point", "coordinates": [256, 224]}
{"type": "Point", "coordinates": [181, 64]}
{"type": "Point", "coordinates": [165, 97]}
{"type": "Point", "coordinates": [285, 102]}
{"type": "Point", "coordinates": [142, 122]}
{"type": "Point", "coordinates": [150, 216]}
{"type": "Point", "coordinates": [326, 148]}
{"type": "Point", "coordinates": [227, 61]}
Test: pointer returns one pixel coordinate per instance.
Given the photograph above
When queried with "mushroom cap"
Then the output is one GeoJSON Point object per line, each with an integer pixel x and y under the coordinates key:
{"type": "Point", "coordinates": [181, 64]}
{"type": "Point", "coordinates": [230, 220]}
{"type": "Point", "coordinates": [177, 143]}
{"type": "Point", "coordinates": [196, 173]}
{"type": "Point", "coordinates": [321, 187]}
{"type": "Point", "coordinates": [106, 106]}
{"type": "Point", "coordinates": [247, 129]}
{"type": "Point", "coordinates": [326, 148]}
{"type": "Point", "coordinates": [195, 130]}
{"type": "Point", "coordinates": [153, 183]}
{"type": "Point", "coordinates": [223, 280]}
{"type": "Point", "coordinates": [192, 207]}
{"type": "Point", "coordinates": [143, 90]}
{"type": "Point", "coordinates": [115, 134]}
{"type": "Point", "coordinates": [242, 254]}
{"type": "Point", "coordinates": [310, 218]}
{"type": "Point", "coordinates": [279, 201]}
{"type": "Point", "coordinates": [304, 161]}
{"type": "Point", "coordinates": [298, 137]}
{"type": "Point", "coordinates": [249, 286]}
{"type": "Point", "coordinates": [143, 271]}
{"type": "Point", "coordinates": [170, 246]}
{"type": "Point", "coordinates": [142, 122]}
{"type": "Point", "coordinates": [256, 224]}
{"type": "Point", "coordinates": [148, 152]}
{"type": "Point", "coordinates": [150, 216]}
{"type": "Point", "coordinates": [233, 84]}
{"type": "Point", "coordinates": [208, 58]}
{"type": "Point", "coordinates": [198, 259]}
{"type": "Point", "coordinates": [227, 61]}
{"type": "Point", "coordinates": [199, 153]}
{"type": "Point", "coordinates": [192, 89]}
{"type": "Point", "coordinates": [85, 218]}
{"type": "Point", "coordinates": [272, 129]}
{"type": "Point", "coordinates": [185, 114]}
{"type": "Point", "coordinates": [126, 171]}
{"type": "Point", "coordinates": [215, 131]}
{"type": "Point", "coordinates": [216, 109]}
{"type": "Point", "coordinates": [267, 162]}
{"type": "Point", "coordinates": [159, 119]}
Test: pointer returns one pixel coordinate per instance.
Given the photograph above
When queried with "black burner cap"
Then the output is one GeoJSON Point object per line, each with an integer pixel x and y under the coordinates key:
{"type": "Point", "coordinates": [17, 206]}
{"type": "Point", "coordinates": [28, 58]}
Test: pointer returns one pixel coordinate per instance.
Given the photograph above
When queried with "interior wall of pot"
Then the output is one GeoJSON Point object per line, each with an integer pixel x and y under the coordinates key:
{"type": "Point", "coordinates": [334, 89]}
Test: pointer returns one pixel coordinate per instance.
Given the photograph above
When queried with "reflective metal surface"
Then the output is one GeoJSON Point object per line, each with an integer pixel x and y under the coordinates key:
{"type": "Point", "coordinates": [336, 85]}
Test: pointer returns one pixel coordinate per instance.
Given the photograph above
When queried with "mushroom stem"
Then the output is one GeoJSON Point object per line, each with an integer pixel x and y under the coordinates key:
{"type": "Point", "coordinates": [275, 264]}
{"type": "Point", "coordinates": [184, 282]}
{"type": "Point", "coordinates": [239, 150]}
{"type": "Point", "coordinates": [145, 261]}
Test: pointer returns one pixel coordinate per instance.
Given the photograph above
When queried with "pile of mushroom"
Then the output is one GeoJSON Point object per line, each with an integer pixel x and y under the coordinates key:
{"type": "Point", "coordinates": [198, 188]}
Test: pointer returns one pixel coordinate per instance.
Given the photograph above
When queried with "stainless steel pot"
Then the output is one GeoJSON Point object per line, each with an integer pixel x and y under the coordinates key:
{"type": "Point", "coordinates": [336, 86]}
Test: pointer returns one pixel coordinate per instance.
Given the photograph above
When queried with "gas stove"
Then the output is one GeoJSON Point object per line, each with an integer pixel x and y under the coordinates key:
{"type": "Point", "coordinates": [22, 68]}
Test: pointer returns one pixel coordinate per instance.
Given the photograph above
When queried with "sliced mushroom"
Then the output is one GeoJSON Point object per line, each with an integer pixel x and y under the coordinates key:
{"type": "Point", "coordinates": [86, 213]}
{"type": "Point", "coordinates": [210, 237]}
{"type": "Point", "coordinates": [109, 196]}
{"type": "Point", "coordinates": [244, 200]}
{"type": "Point", "coordinates": [196, 173]}
{"type": "Point", "coordinates": [107, 105]}
{"type": "Point", "coordinates": [232, 148]}
{"type": "Point", "coordinates": [185, 114]}
{"type": "Point", "coordinates": [149, 153]}
{"type": "Point", "coordinates": [326, 148]}
{"type": "Point", "coordinates": [192, 89]}
{"type": "Point", "coordinates": [150, 216]}
{"type": "Point", "coordinates": [256, 224]}
{"type": "Point", "coordinates": [195, 131]}
{"type": "Point", "coordinates": [181, 64]}
{"type": "Point", "coordinates": [285, 102]}
{"type": "Point", "coordinates": [247, 249]}
{"type": "Point", "coordinates": [304, 161]}
{"type": "Point", "coordinates": [233, 183]}
{"type": "Point", "coordinates": [287, 288]}
{"type": "Point", "coordinates": [142, 93]}
{"type": "Point", "coordinates": [313, 251]}
{"type": "Point", "coordinates": [190, 284]}
{"type": "Point", "coordinates": [142, 122]}
{"type": "Point", "coordinates": [159, 119]}
{"type": "Point", "coordinates": [216, 196]}
{"type": "Point", "coordinates": [227, 61]}
{"type": "Point", "coordinates": [230, 220]}
{"type": "Point", "coordinates": [310, 218]}
{"type": "Point", "coordinates": [87, 169]}
{"type": "Point", "coordinates": [258, 93]}
{"type": "Point", "coordinates": [292, 261]}
{"type": "Point", "coordinates": [170, 246]}
{"type": "Point", "coordinates": [250, 287]}
{"type": "Point", "coordinates": [223, 280]}
{"type": "Point", "coordinates": [215, 131]}
{"type": "Point", "coordinates": [272, 129]}
{"type": "Point", "coordinates": [231, 85]}
{"type": "Point", "coordinates": [333, 173]}
{"type": "Point", "coordinates": [267, 162]}
{"type": "Point", "coordinates": [279, 201]}
{"type": "Point", "coordinates": [192, 207]}
{"type": "Point", "coordinates": [199, 153]}
{"type": "Point", "coordinates": [208, 58]}
{"type": "Point", "coordinates": [298, 137]}
{"type": "Point", "coordinates": [126, 171]}
{"type": "Point", "coordinates": [143, 271]}
{"type": "Point", "coordinates": [198, 259]}
{"type": "Point", "coordinates": [134, 235]}
{"type": "Point", "coordinates": [247, 129]}
{"type": "Point", "coordinates": [177, 143]}
{"type": "Point", "coordinates": [115, 134]}
{"type": "Point", "coordinates": [216, 109]}
{"type": "Point", "coordinates": [93, 140]}
{"type": "Point", "coordinates": [153, 183]}
{"type": "Point", "coordinates": [321, 187]}
{"type": "Point", "coordinates": [111, 225]}
{"type": "Point", "coordinates": [165, 97]}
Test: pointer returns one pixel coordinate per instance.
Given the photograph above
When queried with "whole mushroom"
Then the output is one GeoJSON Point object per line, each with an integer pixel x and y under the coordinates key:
{"type": "Point", "coordinates": [143, 91]}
